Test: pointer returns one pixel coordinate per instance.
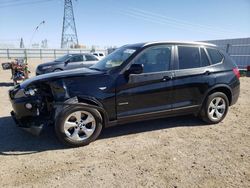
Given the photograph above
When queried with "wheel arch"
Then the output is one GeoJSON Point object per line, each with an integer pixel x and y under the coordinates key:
{"type": "Point", "coordinates": [87, 102]}
{"type": "Point", "coordinates": [57, 69]}
{"type": "Point", "coordinates": [220, 88]}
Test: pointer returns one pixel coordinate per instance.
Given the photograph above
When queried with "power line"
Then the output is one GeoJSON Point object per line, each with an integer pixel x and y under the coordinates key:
{"type": "Point", "coordinates": [180, 24]}
{"type": "Point", "coordinates": [25, 3]}
{"type": "Point", "coordinates": [10, 1]}
{"type": "Point", "coordinates": [183, 22]}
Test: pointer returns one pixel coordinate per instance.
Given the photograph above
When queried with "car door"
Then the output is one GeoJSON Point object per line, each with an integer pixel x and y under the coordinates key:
{"type": "Point", "coordinates": [89, 60]}
{"type": "Point", "coordinates": [150, 91]}
{"type": "Point", "coordinates": [193, 76]}
{"type": "Point", "coordinates": [76, 61]}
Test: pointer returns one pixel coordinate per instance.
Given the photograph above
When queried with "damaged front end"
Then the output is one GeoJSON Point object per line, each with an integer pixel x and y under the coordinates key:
{"type": "Point", "coordinates": [39, 100]}
{"type": "Point", "coordinates": [32, 106]}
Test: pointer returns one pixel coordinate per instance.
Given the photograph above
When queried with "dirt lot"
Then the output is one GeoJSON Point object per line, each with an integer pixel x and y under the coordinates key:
{"type": "Point", "coordinates": [173, 152]}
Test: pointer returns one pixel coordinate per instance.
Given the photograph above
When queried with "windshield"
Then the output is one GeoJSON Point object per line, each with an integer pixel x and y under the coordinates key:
{"type": "Point", "coordinates": [63, 58]}
{"type": "Point", "coordinates": [114, 59]}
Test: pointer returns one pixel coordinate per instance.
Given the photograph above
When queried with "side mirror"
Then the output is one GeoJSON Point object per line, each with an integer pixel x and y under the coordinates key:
{"type": "Point", "coordinates": [66, 62]}
{"type": "Point", "coordinates": [135, 69]}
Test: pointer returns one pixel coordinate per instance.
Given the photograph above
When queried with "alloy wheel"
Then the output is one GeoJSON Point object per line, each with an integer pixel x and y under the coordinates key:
{"type": "Point", "coordinates": [217, 108]}
{"type": "Point", "coordinates": [79, 125]}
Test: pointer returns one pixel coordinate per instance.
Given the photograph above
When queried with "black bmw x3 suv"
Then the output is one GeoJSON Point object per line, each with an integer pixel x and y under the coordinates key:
{"type": "Point", "coordinates": [136, 82]}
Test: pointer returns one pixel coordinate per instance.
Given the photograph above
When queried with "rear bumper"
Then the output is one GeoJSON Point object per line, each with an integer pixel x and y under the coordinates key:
{"type": "Point", "coordinates": [235, 94]}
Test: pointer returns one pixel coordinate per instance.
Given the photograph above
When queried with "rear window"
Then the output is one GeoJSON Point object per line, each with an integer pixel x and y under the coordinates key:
{"type": "Point", "coordinates": [189, 57]}
{"type": "Point", "coordinates": [215, 55]}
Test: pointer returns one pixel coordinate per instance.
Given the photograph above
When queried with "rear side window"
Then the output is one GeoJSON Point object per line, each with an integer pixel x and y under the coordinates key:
{"type": "Point", "coordinates": [215, 55]}
{"type": "Point", "coordinates": [90, 58]}
{"type": "Point", "coordinates": [189, 57]}
{"type": "Point", "coordinates": [76, 58]}
{"type": "Point", "coordinates": [204, 58]}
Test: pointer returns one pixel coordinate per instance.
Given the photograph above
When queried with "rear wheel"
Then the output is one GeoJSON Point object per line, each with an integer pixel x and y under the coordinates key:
{"type": "Point", "coordinates": [78, 126]}
{"type": "Point", "coordinates": [215, 108]}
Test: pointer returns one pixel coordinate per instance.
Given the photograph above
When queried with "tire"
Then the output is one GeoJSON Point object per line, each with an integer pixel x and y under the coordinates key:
{"type": "Point", "coordinates": [67, 126]}
{"type": "Point", "coordinates": [212, 113]}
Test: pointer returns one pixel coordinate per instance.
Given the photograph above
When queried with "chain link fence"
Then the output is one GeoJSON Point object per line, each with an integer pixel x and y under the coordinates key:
{"type": "Point", "coordinates": [238, 49]}
{"type": "Point", "coordinates": [13, 53]}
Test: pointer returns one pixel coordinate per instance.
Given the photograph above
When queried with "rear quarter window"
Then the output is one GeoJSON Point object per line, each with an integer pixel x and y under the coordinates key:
{"type": "Point", "coordinates": [204, 58]}
{"type": "Point", "coordinates": [215, 55]}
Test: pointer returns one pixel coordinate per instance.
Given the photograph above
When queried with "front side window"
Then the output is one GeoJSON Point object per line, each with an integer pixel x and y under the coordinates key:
{"type": "Point", "coordinates": [63, 58]}
{"type": "Point", "coordinates": [76, 58]}
{"type": "Point", "coordinates": [115, 59]}
{"type": "Point", "coordinates": [155, 59]}
{"type": "Point", "coordinates": [215, 55]}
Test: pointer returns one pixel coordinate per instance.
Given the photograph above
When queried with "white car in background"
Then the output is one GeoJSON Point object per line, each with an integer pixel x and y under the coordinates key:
{"type": "Point", "coordinates": [99, 55]}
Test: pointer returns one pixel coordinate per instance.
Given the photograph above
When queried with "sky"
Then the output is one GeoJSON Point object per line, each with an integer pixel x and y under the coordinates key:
{"type": "Point", "coordinates": [117, 22]}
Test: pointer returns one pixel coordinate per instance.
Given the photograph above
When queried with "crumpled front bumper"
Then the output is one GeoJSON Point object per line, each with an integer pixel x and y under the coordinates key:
{"type": "Point", "coordinates": [35, 130]}
{"type": "Point", "coordinates": [27, 119]}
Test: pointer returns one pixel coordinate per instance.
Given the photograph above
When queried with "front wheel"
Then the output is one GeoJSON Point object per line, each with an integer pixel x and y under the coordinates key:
{"type": "Point", "coordinates": [57, 70]}
{"type": "Point", "coordinates": [78, 126]}
{"type": "Point", "coordinates": [215, 108]}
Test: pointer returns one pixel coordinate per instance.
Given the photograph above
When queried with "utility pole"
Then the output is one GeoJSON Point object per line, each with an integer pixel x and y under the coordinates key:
{"type": "Point", "coordinates": [36, 29]}
{"type": "Point", "coordinates": [69, 34]}
{"type": "Point", "coordinates": [21, 43]}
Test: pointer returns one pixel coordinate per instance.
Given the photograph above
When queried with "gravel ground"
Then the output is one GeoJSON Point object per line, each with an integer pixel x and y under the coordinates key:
{"type": "Point", "coordinates": [172, 152]}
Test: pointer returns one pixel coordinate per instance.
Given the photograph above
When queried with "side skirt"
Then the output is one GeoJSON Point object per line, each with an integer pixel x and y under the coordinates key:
{"type": "Point", "coordinates": [155, 115]}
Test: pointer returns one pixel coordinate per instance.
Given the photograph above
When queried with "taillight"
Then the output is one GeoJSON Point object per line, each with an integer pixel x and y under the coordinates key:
{"type": "Point", "coordinates": [236, 72]}
{"type": "Point", "coordinates": [248, 68]}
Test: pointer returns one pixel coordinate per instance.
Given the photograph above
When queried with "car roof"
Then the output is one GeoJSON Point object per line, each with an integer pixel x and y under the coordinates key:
{"type": "Point", "coordinates": [79, 54]}
{"type": "Point", "coordinates": [140, 45]}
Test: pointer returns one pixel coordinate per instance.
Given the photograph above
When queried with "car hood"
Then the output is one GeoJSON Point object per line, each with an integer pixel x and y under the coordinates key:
{"type": "Point", "coordinates": [59, 75]}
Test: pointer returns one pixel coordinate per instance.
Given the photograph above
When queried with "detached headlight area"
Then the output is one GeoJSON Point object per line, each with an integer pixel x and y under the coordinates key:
{"type": "Point", "coordinates": [20, 93]}
{"type": "Point", "coordinates": [30, 92]}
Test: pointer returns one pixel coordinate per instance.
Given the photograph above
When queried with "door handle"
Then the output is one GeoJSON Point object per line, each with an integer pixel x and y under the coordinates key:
{"type": "Point", "coordinates": [166, 78]}
{"type": "Point", "coordinates": [207, 72]}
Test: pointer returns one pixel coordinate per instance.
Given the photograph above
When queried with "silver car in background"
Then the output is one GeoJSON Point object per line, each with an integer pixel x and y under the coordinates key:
{"type": "Point", "coordinates": [67, 62]}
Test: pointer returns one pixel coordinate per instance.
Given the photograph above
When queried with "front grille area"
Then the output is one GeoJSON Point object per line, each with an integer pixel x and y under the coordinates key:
{"type": "Point", "coordinates": [13, 91]}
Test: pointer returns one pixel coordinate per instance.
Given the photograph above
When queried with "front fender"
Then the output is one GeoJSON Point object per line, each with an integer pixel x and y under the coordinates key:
{"type": "Point", "coordinates": [59, 106]}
